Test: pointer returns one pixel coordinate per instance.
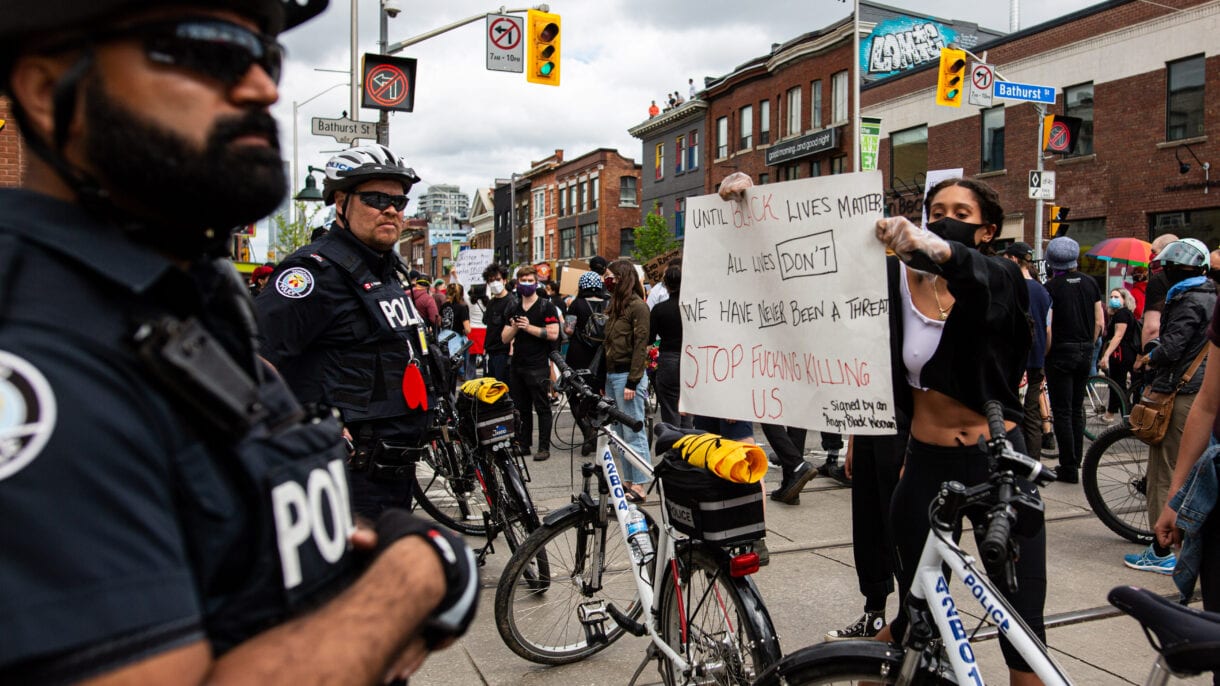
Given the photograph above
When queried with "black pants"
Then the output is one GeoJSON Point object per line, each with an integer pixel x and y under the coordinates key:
{"type": "Point", "coordinates": [788, 442]}
{"type": "Point", "coordinates": [530, 389]}
{"type": "Point", "coordinates": [498, 368]}
{"type": "Point", "coordinates": [1120, 370]}
{"type": "Point", "coordinates": [1067, 370]}
{"type": "Point", "coordinates": [1031, 426]}
{"type": "Point", "coordinates": [927, 467]}
{"type": "Point", "coordinates": [832, 443]}
{"type": "Point", "coordinates": [668, 385]}
{"type": "Point", "coordinates": [876, 461]}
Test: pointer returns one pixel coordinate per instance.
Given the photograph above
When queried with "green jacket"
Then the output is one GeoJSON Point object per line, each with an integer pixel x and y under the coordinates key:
{"type": "Point", "coordinates": [627, 341]}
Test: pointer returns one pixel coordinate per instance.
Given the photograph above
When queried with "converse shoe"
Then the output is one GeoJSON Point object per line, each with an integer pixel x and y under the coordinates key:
{"type": "Point", "coordinates": [1149, 561]}
{"type": "Point", "coordinates": [866, 627]}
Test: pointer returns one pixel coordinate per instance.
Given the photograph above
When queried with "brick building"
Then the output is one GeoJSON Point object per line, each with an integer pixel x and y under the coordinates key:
{"type": "Point", "coordinates": [1138, 74]}
{"type": "Point", "coordinates": [598, 205]}
{"type": "Point", "coordinates": [11, 149]}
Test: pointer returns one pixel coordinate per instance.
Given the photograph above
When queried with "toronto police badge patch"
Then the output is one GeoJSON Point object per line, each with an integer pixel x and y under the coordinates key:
{"type": "Point", "coordinates": [27, 413]}
{"type": "Point", "coordinates": [295, 283]}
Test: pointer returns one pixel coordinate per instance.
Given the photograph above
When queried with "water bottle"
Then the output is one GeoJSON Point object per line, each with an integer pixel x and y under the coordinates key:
{"type": "Point", "coordinates": [637, 536]}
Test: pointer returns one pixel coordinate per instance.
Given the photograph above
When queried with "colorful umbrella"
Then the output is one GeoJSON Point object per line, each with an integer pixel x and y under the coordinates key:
{"type": "Point", "coordinates": [1126, 249]}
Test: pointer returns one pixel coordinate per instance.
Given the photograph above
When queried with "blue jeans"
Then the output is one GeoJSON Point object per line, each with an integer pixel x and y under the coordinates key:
{"type": "Point", "coordinates": [638, 440]}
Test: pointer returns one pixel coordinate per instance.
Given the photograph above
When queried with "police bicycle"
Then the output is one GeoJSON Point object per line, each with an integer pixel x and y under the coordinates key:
{"type": "Point", "coordinates": [694, 599]}
{"type": "Point", "coordinates": [470, 482]}
{"type": "Point", "coordinates": [937, 647]}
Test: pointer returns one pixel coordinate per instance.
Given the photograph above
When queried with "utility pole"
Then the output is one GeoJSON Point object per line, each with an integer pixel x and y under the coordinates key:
{"type": "Point", "coordinates": [386, 10]}
{"type": "Point", "coordinates": [354, 113]}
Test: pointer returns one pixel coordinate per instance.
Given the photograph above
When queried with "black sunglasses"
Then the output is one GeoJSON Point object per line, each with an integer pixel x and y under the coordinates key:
{"type": "Point", "coordinates": [212, 47]}
{"type": "Point", "coordinates": [379, 201]}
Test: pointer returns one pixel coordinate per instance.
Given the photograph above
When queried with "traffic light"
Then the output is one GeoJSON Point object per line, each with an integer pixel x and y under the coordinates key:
{"type": "Point", "coordinates": [950, 80]}
{"type": "Point", "coordinates": [542, 48]}
{"type": "Point", "coordinates": [1059, 133]}
{"type": "Point", "coordinates": [1059, 224]}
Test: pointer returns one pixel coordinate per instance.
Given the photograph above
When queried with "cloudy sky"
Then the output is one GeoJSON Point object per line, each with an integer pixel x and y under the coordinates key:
{"type": "Point", "coordinates": [471, 125]}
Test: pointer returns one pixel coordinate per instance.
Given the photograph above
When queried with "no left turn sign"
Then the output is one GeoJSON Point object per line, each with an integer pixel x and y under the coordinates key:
{"type": "Point", "coordinates": [982, 76]}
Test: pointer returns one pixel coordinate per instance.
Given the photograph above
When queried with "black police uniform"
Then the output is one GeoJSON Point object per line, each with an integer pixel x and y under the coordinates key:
{"type": "Point", "coordinates": [158, 484]}
{"type": "Point", "coordinates": [337, 322]}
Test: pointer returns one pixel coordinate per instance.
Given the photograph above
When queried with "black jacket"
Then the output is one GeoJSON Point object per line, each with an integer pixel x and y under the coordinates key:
{"type": "Point", "coordinates": [1184, 323]}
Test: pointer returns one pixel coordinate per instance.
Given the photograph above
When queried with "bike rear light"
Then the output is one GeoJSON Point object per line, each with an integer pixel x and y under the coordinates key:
{"type": "Point", "coordinates": [744, 564]}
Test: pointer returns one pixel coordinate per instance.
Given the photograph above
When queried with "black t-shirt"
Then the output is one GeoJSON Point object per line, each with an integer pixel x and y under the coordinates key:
{"type": "Point", "coordinates": [530, 350]}
{"type": "Point", "coordinates": [494, 318]}
{"type": "Point", "coordinates": [666, 322]}
{"type": "Point", "coordinates": [1130, 343]}
{"type": "Point", "coordinates": [1154, 295]}
{"type": "Point", "coordinates": [1073, 319]}
{"type": "Point", "coordinates": [453, 315]}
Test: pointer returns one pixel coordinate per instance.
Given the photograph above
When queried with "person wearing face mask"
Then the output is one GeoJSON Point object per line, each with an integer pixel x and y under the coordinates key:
{"type": "Point", "coordinates": [1122, 345]}
{"type": "Point", "coordinates": [532, 331]}
{"type": "Point", "coordinates": [1076, 322]}
{"type": "Point", "coordinates": [495, 317]}
{"type": "Point", "coordinates": [961, 334]}
{"type": "Point", "coordinates": [1158, 286]}
{"type": "Point", "coordinates": [1184, 322]}
{"type": "Point", "coordinates": [1138, 287]}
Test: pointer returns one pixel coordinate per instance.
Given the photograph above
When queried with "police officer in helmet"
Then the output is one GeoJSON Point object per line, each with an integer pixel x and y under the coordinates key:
{"type": "Point", "coordinates": [339, 325]}
{"type": "Point", "coordinates": [171, 514]}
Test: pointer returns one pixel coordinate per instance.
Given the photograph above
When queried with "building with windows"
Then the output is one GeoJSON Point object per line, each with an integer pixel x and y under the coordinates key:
{"type": "Point", "coordinates": [482, 219]}
{"type": "Point", "coordinates": [673, 161]}
{"type": "Point", "coordinates": [443, 204]}
{"type": "Point", "coordinates": [1136, 74]}
{"type": "Point", "coordinates": [598, 205]}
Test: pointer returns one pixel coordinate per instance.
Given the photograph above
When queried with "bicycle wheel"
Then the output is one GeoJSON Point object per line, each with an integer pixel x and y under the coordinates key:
{"type": "Point", "coordinates": [1116, 485]}
{"type": "Point", "coordinates": [516, 513]}
{"type": "Point", "coordinates": [1097, 393]}
{"type": "Point", "coordinates": [539, 619]}
{"type": "Point", "coordinates": [716, 622]}
{"type": "Point", "coordinates": [449, 489]}
{"type": "Point", "coordinates": [846, 662]}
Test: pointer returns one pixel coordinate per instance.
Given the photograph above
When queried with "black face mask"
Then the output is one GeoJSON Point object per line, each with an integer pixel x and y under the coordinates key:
{"type": "Point", "coordinates": [1214, 275]}
{"type": "Point", "coordinates": [1180, 275]}
{"type": "Point", "coordinates": [951, 229]}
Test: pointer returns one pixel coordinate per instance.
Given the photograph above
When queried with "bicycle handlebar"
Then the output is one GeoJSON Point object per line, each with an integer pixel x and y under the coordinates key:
{"type": "Point", "coordinates": [570, 380]}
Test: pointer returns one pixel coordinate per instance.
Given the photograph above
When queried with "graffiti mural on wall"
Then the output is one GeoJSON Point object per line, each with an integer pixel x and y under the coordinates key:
{"type": "Point", "coordinates": [899, 43]}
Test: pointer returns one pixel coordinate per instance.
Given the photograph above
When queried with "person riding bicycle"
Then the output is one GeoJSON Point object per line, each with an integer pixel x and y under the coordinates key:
{"type": "Point", "coordinates": [965, 337]}
{"type": "Point", "coordinates": [1183, 334]}
{"type": "Point", "coordinates": [171, 513]}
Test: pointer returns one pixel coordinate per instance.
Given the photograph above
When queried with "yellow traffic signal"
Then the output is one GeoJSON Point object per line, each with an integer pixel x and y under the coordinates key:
{"type": "Point", "coordinates": [950, 80]}
{"type": "Point", "coordinates": [542, 48]}
{"type": "Point", "coordinates": [1059, 224]}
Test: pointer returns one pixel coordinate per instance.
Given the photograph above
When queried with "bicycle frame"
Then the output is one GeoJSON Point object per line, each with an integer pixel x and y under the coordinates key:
{"type": "Point", "coordinates": [932, 587]}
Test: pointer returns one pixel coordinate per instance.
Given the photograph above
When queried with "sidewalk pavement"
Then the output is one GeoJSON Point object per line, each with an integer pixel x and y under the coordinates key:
{"type": "Point", "coordinates": [810, 587]}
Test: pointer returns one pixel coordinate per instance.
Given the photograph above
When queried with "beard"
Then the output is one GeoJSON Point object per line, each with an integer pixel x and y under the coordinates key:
{"type": "Point", "coordinates": [188, 201]}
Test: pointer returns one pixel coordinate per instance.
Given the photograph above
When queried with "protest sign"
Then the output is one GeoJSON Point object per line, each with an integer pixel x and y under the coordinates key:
{"type": "Point", "coordinates": [654, 269]}
{"type": "Point", "coordinates": [470, 266]}
{"type": "Point", "coordinates": [785, 309]}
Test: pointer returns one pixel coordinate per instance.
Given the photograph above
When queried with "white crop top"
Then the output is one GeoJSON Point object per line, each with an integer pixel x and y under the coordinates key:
{"type": "Point", "coordinates": [921, 334]}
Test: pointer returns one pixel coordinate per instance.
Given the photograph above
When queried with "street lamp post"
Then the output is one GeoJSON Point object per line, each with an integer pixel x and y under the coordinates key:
{"type": "Point", "coordinates": [295, 152]}
{"type": "Point", "coordinates": [388, 11]}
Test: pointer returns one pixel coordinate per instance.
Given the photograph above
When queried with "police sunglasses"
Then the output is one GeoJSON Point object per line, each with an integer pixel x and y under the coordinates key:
{"type": "Point", "coordinates": [380, 201]}
{"type": "Point", "coordinates": [211, 47]}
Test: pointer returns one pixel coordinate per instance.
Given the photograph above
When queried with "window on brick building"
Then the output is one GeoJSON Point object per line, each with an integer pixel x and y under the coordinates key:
{"type": "Point", "coordinates": [626, 191]}
{"type": "Point", "coordinates": [572, 199]}
{"type": "Point", "coordinates": [567, 243]}
{"type": "Point", "coordinates": [838, 164]}
{"type": "Point", "coordinates": [1078, 102]}
{"type": "Point", "coordinates": [539, 204]}
{"type": "Point", "coordinates": [562, 207]}
{"type": "Point", "coordinates": [908, 157]}
{"type": "Point", "coordinates": [584, 196]}
{"type": "Point", "coordinates": [659, 162]}
{"type": "Point", "coordinates": [764, 179]}
{"type": "Point", "coordinates": [791, 171]}
{"type": "Point", "coordinates": [722, 138]}
{"type": "Point", "coordinates": [1184, 99]}
{"type": "Point", "coordinates": [593, 192]}
{"type": "Point", "coordinates": [764, 122]}
{"type": "Point", "coordinates": [793, 122]}
{"type": "Point", "coordinates": [815, 168]}
{"type": "Point", "coordinates": [588, 240]}
{"type": "Point", "coordinates": [745, 121]}
{"type": "Point", "coordinates": [680, 217]}
{"type": "Point", "coordinates": [692, 152]}
{"type": "Point", "coordinates": [815, 104]}
{"type": "Point", "coordinates": [626, 242]}
{"type": "Point", "coordinates": [680, 154]}
{"type": "Point", "coordinates": [993, 139]}
{"type": "Point", "coordinates": [838, 98]}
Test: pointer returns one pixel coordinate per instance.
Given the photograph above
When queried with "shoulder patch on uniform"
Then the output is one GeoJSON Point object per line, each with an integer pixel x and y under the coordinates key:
{"type": "Point", "coordinates": [294, 283]}
{"type": "Point", "coordinates": [27, 413]}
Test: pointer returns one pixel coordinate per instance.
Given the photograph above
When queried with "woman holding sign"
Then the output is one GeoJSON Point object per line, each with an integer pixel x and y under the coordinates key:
{"type": "Point", "coordinates": [964, 333]}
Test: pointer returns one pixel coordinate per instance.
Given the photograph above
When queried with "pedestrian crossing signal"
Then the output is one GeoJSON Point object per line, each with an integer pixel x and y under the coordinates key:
{"type": "Point", "coordinates": [543, 47]}
{"type": "Point", "coordinates": [1059, 133]}
{"type": "Point", "coordinates": [950, 79]}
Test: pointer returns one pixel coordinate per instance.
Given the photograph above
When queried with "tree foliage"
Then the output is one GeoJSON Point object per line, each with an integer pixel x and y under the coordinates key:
{"type": "Point", "coordinates": [290, 235]}
{"type": "Point", "coordinates": [654, 237]}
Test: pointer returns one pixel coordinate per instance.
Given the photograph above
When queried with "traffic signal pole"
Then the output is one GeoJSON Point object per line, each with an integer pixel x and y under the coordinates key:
{"type": "Point", "coordinates": [404, 44]}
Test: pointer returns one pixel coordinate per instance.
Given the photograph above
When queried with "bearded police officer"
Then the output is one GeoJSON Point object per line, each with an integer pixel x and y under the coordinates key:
{"type": "Point", "coordinates": [339, 323]}
{"type": "Point", "coordinates": [170, 513]}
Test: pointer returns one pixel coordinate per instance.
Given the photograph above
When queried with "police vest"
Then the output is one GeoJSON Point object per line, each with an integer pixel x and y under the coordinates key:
{"type": "Point", "coordinates": [265, 512]}
{"type": "Point", "coordinates": [364, 378]}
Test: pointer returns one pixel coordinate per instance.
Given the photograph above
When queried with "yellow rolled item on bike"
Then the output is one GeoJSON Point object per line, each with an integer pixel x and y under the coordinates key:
{"type": "Point", "coordinates": [743, 463]}
{"type": "Point", "coordinates": [486, 389]}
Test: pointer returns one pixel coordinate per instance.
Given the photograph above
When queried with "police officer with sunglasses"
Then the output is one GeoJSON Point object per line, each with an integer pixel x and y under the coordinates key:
{"type": "Point", "coordinates": [171, 513]}
{"type": "Point", "coordinates": [339, 323]}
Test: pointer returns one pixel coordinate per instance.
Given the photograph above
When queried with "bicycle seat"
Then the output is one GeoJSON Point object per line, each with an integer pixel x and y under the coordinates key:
{"type": "Point", "coordinates": [1189, 638]}
{"type": "Point", "coordinates": [668, 434]}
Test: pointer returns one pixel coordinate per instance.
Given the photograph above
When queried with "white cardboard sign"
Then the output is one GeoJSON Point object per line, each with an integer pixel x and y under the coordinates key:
{"type": "Point", "coordinates": [785, 306]}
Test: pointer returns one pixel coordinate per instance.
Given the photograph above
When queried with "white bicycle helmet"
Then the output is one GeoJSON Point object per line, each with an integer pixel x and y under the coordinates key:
{"type": "Point", "coordinates": [353, 167]}
{"type": "Point", "coordinates": [1188, 252]}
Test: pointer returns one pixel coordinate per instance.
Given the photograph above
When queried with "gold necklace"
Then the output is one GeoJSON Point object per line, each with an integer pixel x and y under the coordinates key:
{"type": "Point", "coordinates": [944, 314]}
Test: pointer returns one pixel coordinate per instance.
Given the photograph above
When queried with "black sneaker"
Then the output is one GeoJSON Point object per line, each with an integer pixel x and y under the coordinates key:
{"type": "Point", "coordinates": [869, 625]}
{"type": "Point", "coordinates": [836, 471]}
{"type": "Point", "coordinates": [1067, 475]}
{"type": "Point", "coordinates": [789, 492]}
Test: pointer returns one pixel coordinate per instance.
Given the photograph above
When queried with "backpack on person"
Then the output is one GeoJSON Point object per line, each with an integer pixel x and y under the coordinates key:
{"type": "Point", "coordinates": [594, 331]}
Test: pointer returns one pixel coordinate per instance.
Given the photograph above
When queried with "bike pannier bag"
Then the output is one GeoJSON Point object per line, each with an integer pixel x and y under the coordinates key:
{"type": "Point", "coordinates": [707, 507]}
{"type": "Point", "coordinates": [485, 423]}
